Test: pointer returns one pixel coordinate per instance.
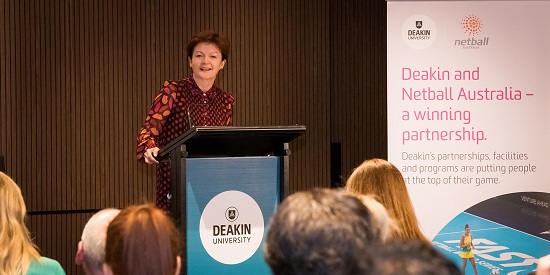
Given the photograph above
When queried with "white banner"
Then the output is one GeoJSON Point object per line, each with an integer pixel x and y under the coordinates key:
{"type": "Point", "coordinates": [469, 114]}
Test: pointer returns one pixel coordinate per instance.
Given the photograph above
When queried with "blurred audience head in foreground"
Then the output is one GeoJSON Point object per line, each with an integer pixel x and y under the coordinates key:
{"type": "Point", "coordinates": [142, 240]}
{"type": "Point", "coordinates": [381, 217]}
{"type": "Point", "coordinates": [91, 248]}
{"type": "Point", "coordinates": [412, 257]}
{"type": "Point", "coordinates": [321, 231]}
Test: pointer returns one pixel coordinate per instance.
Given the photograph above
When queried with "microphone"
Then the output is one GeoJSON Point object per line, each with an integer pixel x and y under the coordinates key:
{"type": "Point", "coordinates": [2, 164]}
{"type": "Point", "coordinates": [191, 107]}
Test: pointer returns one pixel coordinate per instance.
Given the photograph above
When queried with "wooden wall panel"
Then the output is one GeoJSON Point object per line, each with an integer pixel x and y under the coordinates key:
{"type": "Point", "coordinates": [358, 81]}
{"type": "Point", "coordinates": [58, 236]}
{"type": "Point", "coordinates": [77, 78]}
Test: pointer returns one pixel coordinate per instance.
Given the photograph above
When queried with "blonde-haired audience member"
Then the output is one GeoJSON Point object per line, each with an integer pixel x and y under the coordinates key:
{"type": "Point", "coordinates": [381, 217]}
{"type": "Point", "coordinates": [142, 240]}
{"type": "Point", "coordinates": [382, 179]}
{"type": "Point", "coordinates": [18, 253]}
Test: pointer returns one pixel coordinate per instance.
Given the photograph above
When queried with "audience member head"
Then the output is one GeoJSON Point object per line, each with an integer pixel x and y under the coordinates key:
{"type": "Point", "coordinates": [141, 239]}
{"type": "Point", "coordinates": [321, 231]}
{"type": "Point", "coordinates": [16, 247]}
{"type": "Point", "coordinates": [381, 217]}
{"type": "Point", "coordinates": [382, 179]}
{"type": "Point", "coordinates": [91, 248]}
{"type": "Point", "coordinates": [411, 257]}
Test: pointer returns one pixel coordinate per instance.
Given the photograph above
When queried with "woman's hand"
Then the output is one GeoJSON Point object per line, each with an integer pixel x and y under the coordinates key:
{"type": "Point", "coordinates": [150, 155]}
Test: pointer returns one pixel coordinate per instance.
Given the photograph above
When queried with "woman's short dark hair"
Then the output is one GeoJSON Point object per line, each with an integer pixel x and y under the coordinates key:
{"type": "Point", "coordinates": [219, 40]}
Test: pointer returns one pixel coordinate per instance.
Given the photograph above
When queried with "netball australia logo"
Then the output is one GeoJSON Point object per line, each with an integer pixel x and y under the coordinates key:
{"type": "Point", "coordinates": [231, 227]}
{"type": "Point", "coordinates": [471, 26]}
{"type": "Point", "coordinates": [418, 31]}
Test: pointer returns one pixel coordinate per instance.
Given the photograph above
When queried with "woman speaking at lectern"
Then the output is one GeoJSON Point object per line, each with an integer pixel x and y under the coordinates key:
{"type": "Point", "coordinates": [195, 98]}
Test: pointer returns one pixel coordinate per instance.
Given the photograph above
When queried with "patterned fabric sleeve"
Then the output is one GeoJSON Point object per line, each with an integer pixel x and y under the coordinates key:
{"type": "Point", "coordinates": [156, 117]}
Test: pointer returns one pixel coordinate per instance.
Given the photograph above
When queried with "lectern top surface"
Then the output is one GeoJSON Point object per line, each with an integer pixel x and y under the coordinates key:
{"type": "Point", "coordinates": [234, 140]}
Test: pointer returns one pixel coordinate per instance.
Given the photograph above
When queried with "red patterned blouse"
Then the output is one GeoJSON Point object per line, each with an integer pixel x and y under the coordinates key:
{"type": "Point", "coordinates": [168, 119]}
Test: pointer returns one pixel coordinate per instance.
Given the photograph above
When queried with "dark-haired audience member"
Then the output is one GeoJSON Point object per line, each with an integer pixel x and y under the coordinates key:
{"type": "Point", "coordinates": [382, 179]}
{"type": "Point", "coordinates": [142, 240]}
{"type": "Point", "coordinates": [411, 257]}
{"type": "Point", "coordinates": [18, 254]}
{"type": "Point", "coordinates": [91, 248]}
{"type": "Point", "coordinates": [321, 231]}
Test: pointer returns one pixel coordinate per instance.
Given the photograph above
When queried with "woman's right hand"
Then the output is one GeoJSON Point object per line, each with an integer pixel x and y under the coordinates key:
{"type": "Point", "coordinates": [150, 155]}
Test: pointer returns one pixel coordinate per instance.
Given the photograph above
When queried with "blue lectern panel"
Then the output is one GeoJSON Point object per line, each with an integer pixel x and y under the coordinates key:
{"type": "Point", "coordinates": [229, 202]}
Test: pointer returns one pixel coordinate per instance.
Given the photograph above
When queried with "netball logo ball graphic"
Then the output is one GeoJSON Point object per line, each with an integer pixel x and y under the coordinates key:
{"type": "Point", "coordinates": [471, 25]}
